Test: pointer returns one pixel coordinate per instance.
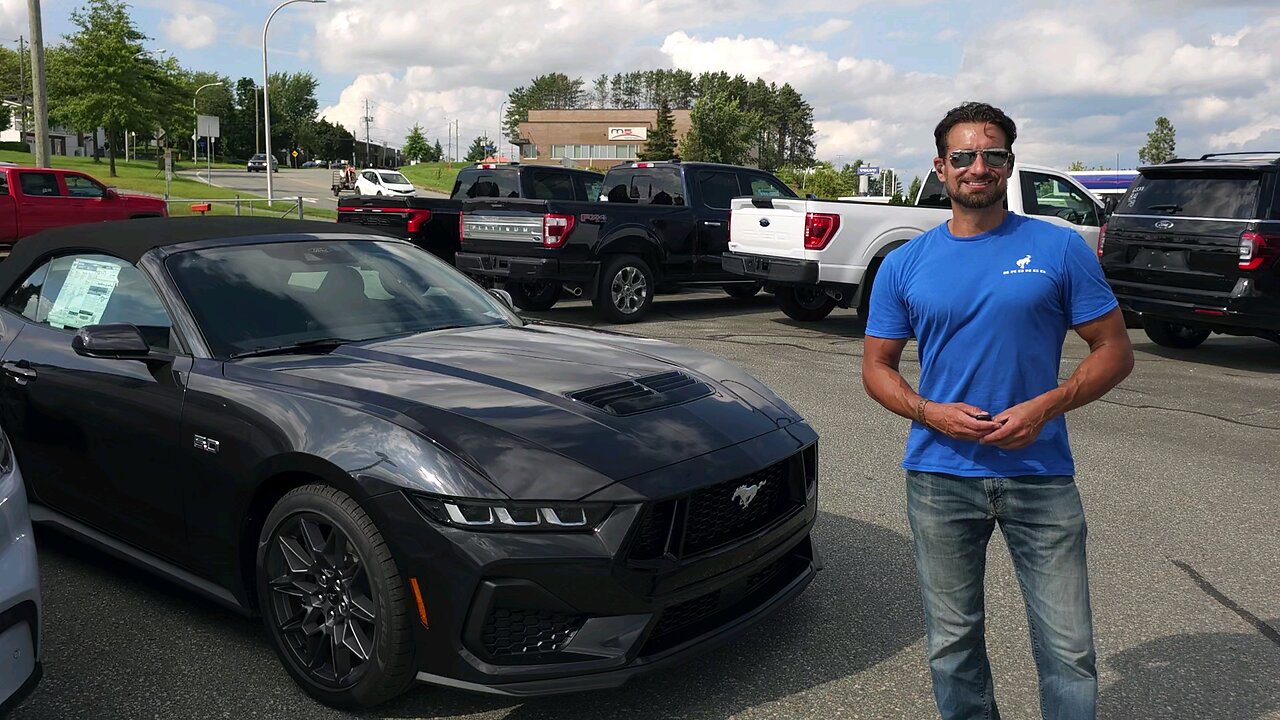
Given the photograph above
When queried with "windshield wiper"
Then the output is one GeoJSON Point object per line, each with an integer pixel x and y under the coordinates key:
{"type": "Point", "coordinates": [320, 345]}
{"type": "Point", "coordinates": [1170, 207]}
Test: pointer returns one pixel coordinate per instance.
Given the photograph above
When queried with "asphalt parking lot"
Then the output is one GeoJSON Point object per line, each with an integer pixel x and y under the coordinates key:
{"type": "Point", "coordinates": [1177, 466]}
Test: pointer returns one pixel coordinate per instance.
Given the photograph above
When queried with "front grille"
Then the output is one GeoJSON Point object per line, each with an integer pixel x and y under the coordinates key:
{"type": "Point", "coordinates": [647, 393]}
{"type": "Point", "coordinates": [686, 613]}
{"type": "Point", "coordinates": [521, 632]}
{"type": "Point", "coordinates": [736, 509]}
{"type": "Point", "coordinates": [715, 516]}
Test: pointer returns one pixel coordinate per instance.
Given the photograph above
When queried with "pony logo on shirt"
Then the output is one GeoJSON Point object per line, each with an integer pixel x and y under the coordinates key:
{"type": "Point", "coordinates": [1023, 264]}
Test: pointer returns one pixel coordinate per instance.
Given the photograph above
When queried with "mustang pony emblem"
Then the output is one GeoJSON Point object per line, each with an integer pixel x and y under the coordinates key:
{"type": "Point", "coordinates": [746, 493]}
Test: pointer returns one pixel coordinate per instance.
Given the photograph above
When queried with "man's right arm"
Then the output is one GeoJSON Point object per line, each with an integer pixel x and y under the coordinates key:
{"type": "Point", "coordinates": [885, 384]}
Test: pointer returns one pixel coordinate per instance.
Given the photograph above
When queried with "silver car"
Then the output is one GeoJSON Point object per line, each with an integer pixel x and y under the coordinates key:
{"type": "Point", "coordinates": [20, 609]}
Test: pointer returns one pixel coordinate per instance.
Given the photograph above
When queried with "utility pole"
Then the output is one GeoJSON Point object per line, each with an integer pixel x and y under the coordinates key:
{"type": "Point", "coordinates": [366, 119]}
{"type": "Point", "coordinates": [22, 86]}
{"type": "Point", "coordinates": [255, 125]}
{"type": "Point", "coordinates": [38, 96]}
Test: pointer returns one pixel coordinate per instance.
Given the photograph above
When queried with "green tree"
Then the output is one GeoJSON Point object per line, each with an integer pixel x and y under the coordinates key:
{"type": "Point", "coordinates": [479, 149]}
{"type": "Point", "coordinates": [661, 144]}
{"type": "Point", "coordinates": [545, 92]}
{"type": "Point", "coordinates": [6, 118]}
{"type": "Point", "coordinates": [415, 145]}
{"type": "Point", "coordinates": [293, 108]}
{"type": "Point", "coordinates": [99, 80]}
{"type": "Point", "coordinates": [437, 153]}
{"type": "Point", "coordinates": [720, 131]}
{"type": "Point", "coordinates": [1160, 143]}
{"type": "Point", "coordinates": [913, 191]}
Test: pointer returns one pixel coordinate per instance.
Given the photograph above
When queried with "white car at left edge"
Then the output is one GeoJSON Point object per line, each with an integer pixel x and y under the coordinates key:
{"type": "Point", "coordinates": [20, 609]}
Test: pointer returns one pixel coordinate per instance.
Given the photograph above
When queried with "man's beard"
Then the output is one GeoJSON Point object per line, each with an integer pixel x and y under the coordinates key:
{"type": "Point", "coordinates": [979, 200]}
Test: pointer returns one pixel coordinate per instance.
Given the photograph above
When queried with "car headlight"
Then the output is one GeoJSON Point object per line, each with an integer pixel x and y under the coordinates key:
{"type": "Point", "coordinates": [507, 516]}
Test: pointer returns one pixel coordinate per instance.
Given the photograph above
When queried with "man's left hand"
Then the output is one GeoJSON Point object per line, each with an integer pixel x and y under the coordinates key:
{"type": "Point", "coordinates": [1021, 425]}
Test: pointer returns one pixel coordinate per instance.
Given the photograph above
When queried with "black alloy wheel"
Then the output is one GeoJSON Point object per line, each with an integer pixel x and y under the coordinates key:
{"type": "Point", "coordinates": [333, 601]}
{"type": "Point", "coordinates": [1173, 335]}
{"type": "Point", "coordinates": [806, 304]}
{"type": "Point", "coordinates": [626, 289]}
{"type": "Point", "coordinates": [539, 295]}
{"type": "Point", "coordinates": [741, 291]}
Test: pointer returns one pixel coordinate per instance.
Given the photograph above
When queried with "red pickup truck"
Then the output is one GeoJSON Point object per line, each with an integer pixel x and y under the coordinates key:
{"type": "Point", "coordinates": [35, 199]}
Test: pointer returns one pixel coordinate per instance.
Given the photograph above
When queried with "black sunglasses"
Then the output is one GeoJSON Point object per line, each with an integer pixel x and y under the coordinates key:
{"type": "Point", "coordinates": [996, 157]}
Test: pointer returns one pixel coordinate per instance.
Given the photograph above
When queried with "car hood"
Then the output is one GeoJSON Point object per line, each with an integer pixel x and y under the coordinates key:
{"type": "Point", "coordinates": [499, 399]}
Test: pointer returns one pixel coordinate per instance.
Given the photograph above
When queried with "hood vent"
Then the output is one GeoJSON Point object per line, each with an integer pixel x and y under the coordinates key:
{"type": "Point", "coordinates": [647, 393]}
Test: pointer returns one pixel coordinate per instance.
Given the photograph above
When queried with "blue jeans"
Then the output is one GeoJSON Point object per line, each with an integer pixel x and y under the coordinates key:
{"type": "Point", "coordinates": [1043, 524]}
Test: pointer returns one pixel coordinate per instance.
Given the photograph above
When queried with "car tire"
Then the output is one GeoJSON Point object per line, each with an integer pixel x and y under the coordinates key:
{"type": "Point", "coordinates": [330, 591]}
{"type": "Point", "coordinates": [541, 295]}
{"type": "Point", "coordinates": [741, 291]}
{"type": "Point", "coordinates": [626, 289]}
{"type": "Point", "coordinates": [806, 304]}
{"type": "Point", "coordinates": [1173, 335]}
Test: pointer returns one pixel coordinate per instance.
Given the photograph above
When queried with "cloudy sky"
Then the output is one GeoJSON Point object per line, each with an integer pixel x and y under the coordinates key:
{"type": "Point", "coordinates": [1084, 79]}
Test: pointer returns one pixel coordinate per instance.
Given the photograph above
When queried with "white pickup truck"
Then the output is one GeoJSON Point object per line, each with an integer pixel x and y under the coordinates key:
{"type": "Point", "coordinates": [818, 254]}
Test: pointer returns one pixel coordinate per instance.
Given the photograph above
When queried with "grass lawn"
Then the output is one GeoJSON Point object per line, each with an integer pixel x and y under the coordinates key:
{"type": "Point", "coordinates": [434, 176]}
{"type": "Point", "coordinates": [142, 176]}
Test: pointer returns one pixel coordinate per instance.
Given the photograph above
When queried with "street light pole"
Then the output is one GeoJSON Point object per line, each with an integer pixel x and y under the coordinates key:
{"type": "Point", "coordinates": [497, 140]}
{"type": "Point", "coordinates": [266, 92]}
{"type": "Point", "coordinates": [196, 114]}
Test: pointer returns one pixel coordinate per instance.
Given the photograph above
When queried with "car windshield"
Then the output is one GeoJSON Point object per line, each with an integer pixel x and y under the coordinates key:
{"type": "Point", "coordinates": [252, 297]}
{"type": "Point", "coordinates": [393, 178]}
{"type": "Point", "coordinates": [259, 157]}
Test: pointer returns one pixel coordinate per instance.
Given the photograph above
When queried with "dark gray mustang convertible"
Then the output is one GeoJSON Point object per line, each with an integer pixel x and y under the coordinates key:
{"type": "Point", "coordinates": [408, 481]}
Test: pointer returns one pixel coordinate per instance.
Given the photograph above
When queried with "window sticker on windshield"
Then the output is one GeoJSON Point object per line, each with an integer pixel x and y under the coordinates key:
{"type": "Point", "coordinates": [85, 293]}
{"type": "Point", "coordinates": [1133, 196]}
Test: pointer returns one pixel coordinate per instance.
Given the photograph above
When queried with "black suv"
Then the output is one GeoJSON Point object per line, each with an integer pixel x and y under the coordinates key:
{"type": "Point", "coordinates": [1193, 248]}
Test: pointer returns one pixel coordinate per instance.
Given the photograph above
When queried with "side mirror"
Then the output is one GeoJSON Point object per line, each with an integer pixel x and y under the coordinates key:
{"type": "Point", "coordinates": [1109, 206]}
{"type": "Point", "coordinates": [110, 194]}
{"type": "Point", "coordinates": [117, 341]}
{"type": "Point", "coordinates": [504, 297]}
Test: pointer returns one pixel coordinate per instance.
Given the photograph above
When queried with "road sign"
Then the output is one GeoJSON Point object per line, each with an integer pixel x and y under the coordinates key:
{"type": "Point", "coordinates": [868, 170]}
{"type": "Point", "coordinates": [207, 126]}
{"type": "Point", "coordinates": [295, 153]}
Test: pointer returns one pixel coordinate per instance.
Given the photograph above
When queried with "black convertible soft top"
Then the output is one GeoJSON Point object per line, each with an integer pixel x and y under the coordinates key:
{"type": "Point", "coordinates": [131, 239]}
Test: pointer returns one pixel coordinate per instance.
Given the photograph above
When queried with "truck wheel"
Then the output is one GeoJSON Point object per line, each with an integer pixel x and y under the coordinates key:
{"type": "Point", "coordinates": [868, 280]}
{"type": "Point", "coordinates": [534, 295]}
{"type": "Point", "coordinates": [1173, 335]}
{"type": "Point", "coordinates": [626, 289]}
{"type": "Point", "coordinates": [742, 291]}
{"type": "Point", "coordinates": [806, 304]}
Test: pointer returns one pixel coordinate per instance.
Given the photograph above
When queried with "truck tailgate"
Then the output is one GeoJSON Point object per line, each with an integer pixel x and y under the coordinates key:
{"type": "Point", "coordinates": [772, 227]}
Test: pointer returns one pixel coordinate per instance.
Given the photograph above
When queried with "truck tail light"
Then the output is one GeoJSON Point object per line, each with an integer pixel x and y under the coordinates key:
{"type": "Point", "coordinates": [1102, 239]}
{"type": "Point", "coordinates": [643, 165]}
{"type": "Point", "coordinates": [1256, 249]}
{"type": "Point", "coordinates": [819, 228]}
{"type": "Point", "coordinates": [418, 218]}
{"type": "Point", "coordinates": [462, 223]}
{"type": "Point", "coordinates": [486, 166]}
{"type": "Point", "coordinates": [556, 229]}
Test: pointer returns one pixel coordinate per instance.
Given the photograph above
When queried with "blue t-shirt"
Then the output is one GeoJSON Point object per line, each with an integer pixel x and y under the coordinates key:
{"type": "Point", "coordinates": [990, 314]}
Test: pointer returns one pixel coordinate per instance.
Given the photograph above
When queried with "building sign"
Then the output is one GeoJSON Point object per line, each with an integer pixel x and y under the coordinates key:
{"type": "Point", "coordinates": [869, 170]}
{"type": "Point", "coordinates": [628, 133]}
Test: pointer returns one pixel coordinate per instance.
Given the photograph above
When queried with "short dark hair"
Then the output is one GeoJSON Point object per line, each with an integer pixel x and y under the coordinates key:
{"type": "Point", "coordinates": [973, 112]}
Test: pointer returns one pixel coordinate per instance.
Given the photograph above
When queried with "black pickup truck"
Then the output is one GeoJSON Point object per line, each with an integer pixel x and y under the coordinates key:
{"type": "Point", "coordinates": [661, 224]}
{"type": "Point", "coordinates": [432, 223]}
{"type": "Point", "coordinates": [1193, 248]}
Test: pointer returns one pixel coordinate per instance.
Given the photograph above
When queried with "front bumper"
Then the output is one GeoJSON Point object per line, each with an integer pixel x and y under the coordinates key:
{"type": "Point", "coordinates": [527, 269]}
{"type": "Point", "coordinates": [778, 271]}
{"type": "Point", "coordinates": [532, 614]}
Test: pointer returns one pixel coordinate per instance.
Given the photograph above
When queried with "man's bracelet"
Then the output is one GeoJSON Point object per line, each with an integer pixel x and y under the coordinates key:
{"type": "Point", "coordinates": [920, 411]}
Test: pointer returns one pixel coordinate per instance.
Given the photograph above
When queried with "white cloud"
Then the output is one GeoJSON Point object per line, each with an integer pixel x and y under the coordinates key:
{"type": "Point", "coordinates": [190, 31]}
{"type": "Point", "coordinates": [834, 26]}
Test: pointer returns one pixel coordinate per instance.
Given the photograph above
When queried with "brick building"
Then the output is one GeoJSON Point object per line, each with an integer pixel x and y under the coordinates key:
{"type": "Point", "coordinates": [590, 138]}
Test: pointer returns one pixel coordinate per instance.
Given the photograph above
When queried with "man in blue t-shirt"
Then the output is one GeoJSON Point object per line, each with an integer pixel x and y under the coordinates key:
{"type": "Point", "coordinates": [989, 296]}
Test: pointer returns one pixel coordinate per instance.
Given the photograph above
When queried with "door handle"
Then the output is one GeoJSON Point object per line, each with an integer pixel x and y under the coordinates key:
{"type": "Point", "coordinates": [20, 371]}
{"type": "Point", "coordinates": [712, 223]}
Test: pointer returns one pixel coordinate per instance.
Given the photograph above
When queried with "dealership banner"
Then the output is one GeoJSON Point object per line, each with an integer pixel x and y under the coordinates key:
{"type": "Point", "coordinates": [628, 133]}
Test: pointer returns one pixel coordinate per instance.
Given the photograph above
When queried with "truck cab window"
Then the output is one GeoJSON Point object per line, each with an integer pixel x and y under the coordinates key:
{"type": "Point", "coordinates": [83, 187]}
{"type": "Point", "coordinates": [39, 184]}
{"type": "Point", "coordinates": [656, 186]}
{"type": "Point", "coordinates": [1049, 196]}
{"type": "Point", "coordinates": [549, 186]}
{"type": "Point", "coordinates": [717, 188]}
